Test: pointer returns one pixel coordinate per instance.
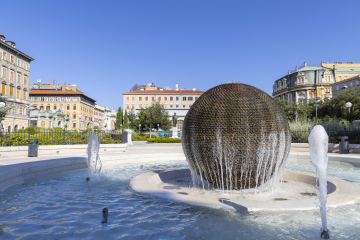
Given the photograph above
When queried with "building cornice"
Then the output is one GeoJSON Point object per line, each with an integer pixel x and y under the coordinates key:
{"type": "Point", "coordinates": [16, 51]}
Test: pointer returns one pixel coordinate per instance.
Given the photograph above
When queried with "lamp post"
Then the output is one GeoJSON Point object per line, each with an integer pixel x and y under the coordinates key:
{"type": "Point", "coordinates": [158, 127]}
{"type": "Point", "coordinates": [139, 127]}
{"type": "Point", "coordinates": [316, 105]}
{"type": "Point", "coordinates": [2, 105]}
{"type": "Point", "coordinates": [348, 105]}
{"type": "Point", "coordinates": [80, 121]}
{"type": "Point", "coordinates": [29, 110]}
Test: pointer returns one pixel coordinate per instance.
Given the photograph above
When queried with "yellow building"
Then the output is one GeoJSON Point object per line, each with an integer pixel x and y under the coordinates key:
{"type": "Point", "coordinates": [313, 81]}
{"type": "Point", "coordinates": [14, 78]}
{"type": "Point", "coordinates": [77, 107]}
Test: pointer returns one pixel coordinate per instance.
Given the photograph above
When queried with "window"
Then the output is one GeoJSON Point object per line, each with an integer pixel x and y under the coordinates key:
{"type": "Point", "coordinates": [171, 98]}
{"type": "Point", "coordinates": [36, 99]}
{"type": "Point", "coordinates": [12, 75]}
{"type": "Point", "coordinates": [74, 116]}
{"type": "Point", "coordinates": [177, 106]}
{"type": "Point", "coordinates": [48, 107]}
{"type": "Point", "coordinates": [18, 78]}
{"type": "Point", "coordinates": [159, 98]}
{"type": "Point", "coordinates": [140, 98]}
{"type": "Point", "coordinates": [18, 63]}
{"type": "Point", "coordinates": [12, 59]}
{"type": "Point", "coordinates": [165, 98]}
{"type": "Point", "coordinates": [184, 98]}
{"type": "Point", "coordinates": [11, 91]}
{"type": "Point", "coordinates": [61, 107]}
{"type": "Point", "coordinates": [133, 107]}
{"type": "Point", "coordinates": [55, 99]}
{"type": "Point", "coordinates": [68, 99]}
{"type": "Point", "coordinates": [171, 106]}
{"type": "Point", "coordinates": [74, 107]}
{"type": "Point", "coordinates": [42, 99]}
{"type": "Point", "coordinates": [133, 98]}
{"type": "Point", "coordinates": [127, 98]}
{"type": "Point", "coordinates": [146, 99]}
{"type": "Point", "coordinates": [190, 98]}
{"type": "Point", "coordinates": [54, 107]}
{"type": "Point", "coordinates": [165, 106]}
{"type": "Point", "coordinates": [41, 107]}
{"type": "Point", "coordinates": [4, 55]}
{"type": "Point", "coordinates": [62, 99]}
{"type": "Point", "coordinates": [3, 88]}
{"type": "Point", "coordinates": [67, 107]}
{"type": "Point", "coordinates": [153, 98]}
{"type": "Point", "coordinates": [127, 107]}
{"type": "Point", "coordinates": [183, 106]}
{"type": "Point", "coordinates": [74, 124]}
{"type": "Point", "coordinates": [4, 72]}
{"type": "Point", "coordinates": [177, 98]}
{"type": "Point", "coordinates": [24, 95]}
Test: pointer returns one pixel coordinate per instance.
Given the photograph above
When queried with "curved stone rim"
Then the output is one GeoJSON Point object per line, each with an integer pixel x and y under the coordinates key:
{"type": "Point", "coordinates": [341, 193]}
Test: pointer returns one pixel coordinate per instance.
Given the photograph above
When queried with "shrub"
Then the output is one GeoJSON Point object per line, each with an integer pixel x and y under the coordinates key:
{"type": "Point", "coordinates": [164, 140]}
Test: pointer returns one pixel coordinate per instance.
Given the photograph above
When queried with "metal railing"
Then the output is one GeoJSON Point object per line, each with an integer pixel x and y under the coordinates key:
{"type": "Point", "coordinates": [59, 137]}
{"type": "Point", "coordinates": [302, 136]}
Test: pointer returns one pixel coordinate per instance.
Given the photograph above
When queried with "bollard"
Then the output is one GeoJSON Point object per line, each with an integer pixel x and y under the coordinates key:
{"type": "Point", "coordinates": [105, 214]}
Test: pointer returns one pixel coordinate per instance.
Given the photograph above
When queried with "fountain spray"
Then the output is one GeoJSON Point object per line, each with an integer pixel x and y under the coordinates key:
{"type": "Point", "coordinates": [318, 146]}
{"type": "Point", "coordinates": [94, 162]}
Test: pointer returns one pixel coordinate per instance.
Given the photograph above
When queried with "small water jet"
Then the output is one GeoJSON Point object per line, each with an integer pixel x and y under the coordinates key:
{"type": "Point", "coordinates": [93, 162]}
{"type": "Point", "coordinates": [318, 146]}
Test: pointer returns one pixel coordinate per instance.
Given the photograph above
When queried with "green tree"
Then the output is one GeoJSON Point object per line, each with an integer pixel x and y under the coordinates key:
{"type": "Point", "coordinates": [119, 119]}
{"type": "Point", "coordinates": [133, 120]}
{"type": "Point", "coordinates": [336, 106]}
{"type": "Point", "coordinates": [4, 110]}
{"type": "Point", "coordinates": [153, 115]}
{"type": "Point", "coordinates": [126, 120]}
{"type": "Point", "coordinates": [351, 115]}
{"type": "Point", "coordinates": [289, 108]}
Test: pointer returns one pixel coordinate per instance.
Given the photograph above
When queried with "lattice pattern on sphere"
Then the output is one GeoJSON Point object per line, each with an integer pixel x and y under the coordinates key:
{"type": "Point", "coordinates": [236, 136]}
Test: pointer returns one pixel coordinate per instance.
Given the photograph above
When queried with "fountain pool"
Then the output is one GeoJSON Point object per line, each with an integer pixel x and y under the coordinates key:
{"type": "Point", "coordinates": [65, 206]}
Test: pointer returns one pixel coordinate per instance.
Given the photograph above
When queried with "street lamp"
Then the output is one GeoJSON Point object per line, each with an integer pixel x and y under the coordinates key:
{"type": "Point", "coordinates": [2, 104]}
{"type": "Point", "coordinates": [80, 121]}
{"type": "Point", "coordinates": [348, 105]}
{"type": "Point", "coordinates": [158, 127]}
{"type": "Point", "coordinates": [139, 128]}
{"type": "Point", "coordinates": [316, 105]}
{"type": "Point", "coordinates": [29, 110]}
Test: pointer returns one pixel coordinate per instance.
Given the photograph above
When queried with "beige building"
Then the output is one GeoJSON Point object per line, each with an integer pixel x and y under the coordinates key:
{"type": "Point", "coordinates": [176, 101]}
{"type": "Point", "coordinates": [99, 116]}
{"type": "Point", "coordinates": [14, 78]}
{"type": "Point", "coordinates": [77, 107]}
{"type": "Point", "coordinates": [338, 87]}
{"type": "Point", "coordinates": [313, 81]}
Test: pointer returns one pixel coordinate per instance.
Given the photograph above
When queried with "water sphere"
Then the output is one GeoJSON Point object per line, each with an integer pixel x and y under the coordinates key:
{"type": "Point", "coordinates": [236, 136]}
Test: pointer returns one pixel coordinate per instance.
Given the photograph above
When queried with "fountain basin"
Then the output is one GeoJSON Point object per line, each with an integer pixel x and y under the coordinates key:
{"type": "Point", "coordinates": [176, 185]}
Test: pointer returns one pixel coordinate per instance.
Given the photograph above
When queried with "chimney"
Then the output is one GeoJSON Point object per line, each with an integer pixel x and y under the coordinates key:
{"type": "Point", "coordinates": [296, 69]}
{"type": "Point", "coordinates": [11, 43]}
{"type": "Point", "coordinates": [194, 89]}
{"type": "Point", "coordinates": [289, 72]}
{"type": "Point", "coordinates": [63, 86]}
{"type": "Point", "coordinates": [176, 87]}
{"type": "Point", "coordinates": [2, 38]}
{"type": "Point", "coordinates": [305, 64]}
{"type": "Point", "coordinates": [52, 83]}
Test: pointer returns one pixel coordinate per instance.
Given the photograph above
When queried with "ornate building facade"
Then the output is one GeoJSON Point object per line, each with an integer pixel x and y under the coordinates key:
{"type": "Point", "coordinates": [14, 78]}
{"type": "Point", "coordinates": [176, 101]}
{"type": "Point", "coordinates": [78, 108]}
{"type": "Point", "coordinates": [310, 82]}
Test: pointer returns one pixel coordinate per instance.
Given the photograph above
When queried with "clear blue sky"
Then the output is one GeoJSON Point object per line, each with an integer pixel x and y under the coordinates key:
{"type": "Point", "coordinates": [108, 46]}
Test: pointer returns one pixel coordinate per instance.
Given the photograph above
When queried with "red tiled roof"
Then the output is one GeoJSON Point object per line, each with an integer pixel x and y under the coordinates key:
{"type": "Point", "coordinates": [58, 92]}
{"type": "Point", "coordinates": [163, 91]}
